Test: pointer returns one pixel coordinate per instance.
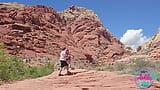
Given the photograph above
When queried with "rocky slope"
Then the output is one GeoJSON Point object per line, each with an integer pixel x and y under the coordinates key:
{"type": "Point", "coordinates": [153, 46]}
{"type": "Point", "coordinates": [38, 33]}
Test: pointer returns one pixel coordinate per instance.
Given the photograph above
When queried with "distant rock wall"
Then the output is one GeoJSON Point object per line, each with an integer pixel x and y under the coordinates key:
{"type": "Point", "coordinates": [153, 46]}
{"type": "Point", "coordinates": [38, 33]}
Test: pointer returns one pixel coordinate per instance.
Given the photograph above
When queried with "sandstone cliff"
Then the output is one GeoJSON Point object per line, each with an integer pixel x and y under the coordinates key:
{"type": "Point", "coordinates": [153, 46]}
{"type": "Point", "coordinates": [38, 33]}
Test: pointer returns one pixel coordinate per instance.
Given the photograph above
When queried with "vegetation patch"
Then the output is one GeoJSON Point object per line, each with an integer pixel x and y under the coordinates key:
{"type": "Point", "coordinates": [129, 67]}
{"type": "Point", "coordinates": [13, 68]}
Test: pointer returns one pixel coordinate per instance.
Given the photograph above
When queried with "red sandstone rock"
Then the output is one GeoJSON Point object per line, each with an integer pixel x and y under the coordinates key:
{"type": "Point", "coordinates": [152, 46]}
{"type": "Point", "coordinates": [42, 31]}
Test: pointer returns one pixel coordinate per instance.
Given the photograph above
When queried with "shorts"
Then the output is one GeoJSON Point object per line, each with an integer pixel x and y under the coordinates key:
{"type": "Point", "coordinates": [63, 63]}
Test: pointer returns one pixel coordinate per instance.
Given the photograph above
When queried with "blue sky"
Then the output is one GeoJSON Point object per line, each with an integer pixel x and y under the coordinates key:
{"type": "Point", "coordinates": [116, 15]}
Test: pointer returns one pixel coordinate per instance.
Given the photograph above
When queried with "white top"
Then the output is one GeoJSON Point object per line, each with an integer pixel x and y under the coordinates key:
{"type": "Point", "coordinates": [62, 55]}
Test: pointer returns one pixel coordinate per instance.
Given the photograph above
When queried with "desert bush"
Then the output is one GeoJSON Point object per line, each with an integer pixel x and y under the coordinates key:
{"type": "Point", "coordinates": [13, 68]}
{"type": "Point", "coordinates": [129, 67]}
{"type": "Point", "coordinates": [146, 51]}
{"type": "Point", "coordinates": [38, 71]}
{"type": "Point", "coordinates": [142, 62]}
{"type": "Point", "coordinates": [105, 68]}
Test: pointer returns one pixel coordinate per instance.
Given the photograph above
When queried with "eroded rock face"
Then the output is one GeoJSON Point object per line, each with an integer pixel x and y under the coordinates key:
{"type": "Point", "coordinates": [155, 53]}
{"type": "Point", "coordinates": [93, 39]}
{"type": "Point", "coordinates": [39, 32]}
{"type": "Point", "coordinates": [153, 46]}
{"type": "Point", "coordinates": [76, 13]}
{"type": "Point", "coordinates": [155, 38]}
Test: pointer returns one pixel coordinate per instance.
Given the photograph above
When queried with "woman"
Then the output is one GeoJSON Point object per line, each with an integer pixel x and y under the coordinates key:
{"type": "Point", "coordinates": [63, 61]}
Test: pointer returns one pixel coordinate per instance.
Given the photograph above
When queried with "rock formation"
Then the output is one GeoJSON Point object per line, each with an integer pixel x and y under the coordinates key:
{"type": "Point", "coordinates": [153, 46]}
{"type": "Point", "coordinates": [38, 33]}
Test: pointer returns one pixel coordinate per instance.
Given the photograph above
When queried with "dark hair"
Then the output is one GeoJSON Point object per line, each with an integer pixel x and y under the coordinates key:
{"type": "Point", "coordinates": [64, 48]}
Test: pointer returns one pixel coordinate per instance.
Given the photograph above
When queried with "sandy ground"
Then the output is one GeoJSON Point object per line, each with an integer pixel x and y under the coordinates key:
{"type": "Point", "coordinates": [80, 80]}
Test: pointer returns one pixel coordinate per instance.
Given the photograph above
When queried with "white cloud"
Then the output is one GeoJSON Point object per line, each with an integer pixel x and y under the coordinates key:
{"type": "Point", "coordinates": [134, 38]}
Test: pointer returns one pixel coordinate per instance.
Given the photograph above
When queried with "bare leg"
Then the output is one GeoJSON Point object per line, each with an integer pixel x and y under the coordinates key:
{"type": "Point", "coordinates": [60, 71]}
{"type": "Point", "coordinates": [67, 68]}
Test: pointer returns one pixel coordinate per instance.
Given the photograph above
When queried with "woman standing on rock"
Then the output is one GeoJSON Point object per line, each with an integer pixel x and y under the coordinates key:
{"type": "Point", "coordinates": [63, 60]}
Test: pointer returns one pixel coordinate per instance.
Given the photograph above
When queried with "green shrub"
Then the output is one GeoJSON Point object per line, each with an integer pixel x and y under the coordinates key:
{"type": "Point", "coordinates": [13, 68]}
{"type": "Point", "coordinates": [3, 55]}
{"type": "Point", "coordinates": [120, 66]}
{"type": "Point", "coordinates": [38, 71]}
{"type": "Point", "coordinates": [105, 68]}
